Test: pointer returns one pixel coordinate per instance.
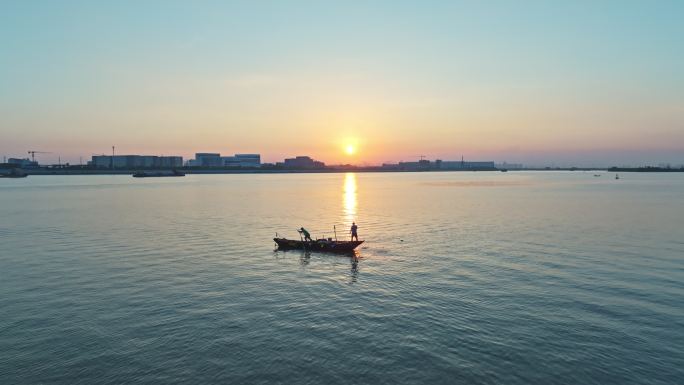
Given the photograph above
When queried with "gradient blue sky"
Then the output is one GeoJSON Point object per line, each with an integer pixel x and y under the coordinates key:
{"type": "Point", "coordinates": [542, 82]}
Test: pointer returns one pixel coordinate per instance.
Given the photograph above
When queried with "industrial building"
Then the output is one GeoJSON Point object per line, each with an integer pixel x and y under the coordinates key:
{"type": "Point", "coordinates": [242, 160]}
{"type": "Point", "coordinates": [510, 166]}
{"type": "Point", "coordinates": [206, 159]}
{"type": "Point", "coordinates": [23, 163]}
{"type": "Point", "coordinates": [426, 165]}
{"type": "Point", "coordinates": [135, 161]}
{"type": "Point", "coordinates": [462, 165]}
{"type": "Point", "coordinates": [303, 162]}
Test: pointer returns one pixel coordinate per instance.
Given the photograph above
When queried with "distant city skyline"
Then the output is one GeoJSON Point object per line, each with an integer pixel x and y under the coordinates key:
{"type": "Point", "coordinates": [552, 83]}
{"type": "Point", "coordinates": [647, 160]}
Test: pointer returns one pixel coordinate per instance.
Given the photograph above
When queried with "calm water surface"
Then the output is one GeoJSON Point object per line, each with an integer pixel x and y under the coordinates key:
{"type": "Point", "coordinates": [472, 278]}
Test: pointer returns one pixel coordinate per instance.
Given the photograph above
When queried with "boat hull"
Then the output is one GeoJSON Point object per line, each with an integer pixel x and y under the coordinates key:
{"type": "Point", "coordinates": [157, 174]}
{"type": "Point", "coordinates": [317, 245]}
{"type": "Point", "coordinates": [13, 176]}
{"type": "Point", "coordinates": [14, 173]}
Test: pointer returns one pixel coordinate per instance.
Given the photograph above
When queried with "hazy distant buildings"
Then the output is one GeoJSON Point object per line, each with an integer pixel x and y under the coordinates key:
{"type": "Point", "coordinates": [23, 163]}
{"type": "Point", "coordinates": [135, 161]}
{"type": "Point", "coordinates": [170, 161]}
{"type": "Point", "coordinates": [252, 161]}
{"type": "Point", "coordinates": [205, 159]}
{"type": "Point", "coordinates": [242, 160]}
{"type": "Point", "coordinates": [422, 164]}
{"type": "Point", "coordinates": [301, 162]}
{"type": "Point", "coordinates": [462, 165]}
{"type": "Point", "coordinates": [509, 166]}
{"type": "Point", "coordinates": [426, 165]}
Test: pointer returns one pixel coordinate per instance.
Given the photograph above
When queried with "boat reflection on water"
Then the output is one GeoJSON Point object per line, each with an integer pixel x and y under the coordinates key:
{"type": "Point", "coordinates": [305, 259]}
{"type": "Point", "coordinates": [306, 254]}
{"type": "Point", "coordinates": [354, 269]}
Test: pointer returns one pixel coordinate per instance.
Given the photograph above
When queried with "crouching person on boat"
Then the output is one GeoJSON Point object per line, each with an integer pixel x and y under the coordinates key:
{"type": "Point", "coordinates": [307, 236]}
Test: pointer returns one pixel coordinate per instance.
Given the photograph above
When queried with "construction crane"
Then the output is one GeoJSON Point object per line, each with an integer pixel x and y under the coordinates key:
{"type": "Point", "coordinates": [33, 154]}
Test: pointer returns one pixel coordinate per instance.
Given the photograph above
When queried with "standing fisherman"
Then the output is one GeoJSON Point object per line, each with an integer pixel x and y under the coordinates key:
{"type": "Point", "coordinates": [354, 227]}
{"type": "Point", "coordinates": [307, 236]}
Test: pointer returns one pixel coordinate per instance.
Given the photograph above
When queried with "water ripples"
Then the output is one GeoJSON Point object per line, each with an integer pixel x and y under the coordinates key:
{"type": "Point", "coordinates": [465, 277]}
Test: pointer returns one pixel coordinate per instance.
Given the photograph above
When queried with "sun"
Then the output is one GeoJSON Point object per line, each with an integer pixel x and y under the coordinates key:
{"type": "Point", "coordinates": [350, 149]}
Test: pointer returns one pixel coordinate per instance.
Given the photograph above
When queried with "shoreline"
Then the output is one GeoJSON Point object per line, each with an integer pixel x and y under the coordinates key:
{"type": "Point", "coordinates": [272, 171]}
{"type": "Point", "coordinates": [186, 170]}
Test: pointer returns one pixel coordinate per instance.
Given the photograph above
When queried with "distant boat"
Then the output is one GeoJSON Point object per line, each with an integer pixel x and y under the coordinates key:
{"type": "Point", "coordinates": [617, 176]}
{"type": "Point", "coordinates": [157, 174]}
{"type": "Point", "coordinates": [504, 170]}
{"type": "Point", "coordinates": [597, 175]}
{"type": "Point", "coordinates": [15, 173]}
{"type": "Point", "coordinates": [327, 245]}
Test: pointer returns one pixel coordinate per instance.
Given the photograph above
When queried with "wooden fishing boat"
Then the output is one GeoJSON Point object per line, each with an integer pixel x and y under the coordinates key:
{"type": "Point", "coordinates": [157, 174]}
{"type": "Point", "coordinates": [14, 173]}
{"type": "Point", "coordinates": [328, 245]}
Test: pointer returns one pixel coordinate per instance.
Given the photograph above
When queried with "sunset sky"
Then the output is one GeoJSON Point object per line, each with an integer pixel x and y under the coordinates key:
{"type": "Point", "coordinates": [537, 82]}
